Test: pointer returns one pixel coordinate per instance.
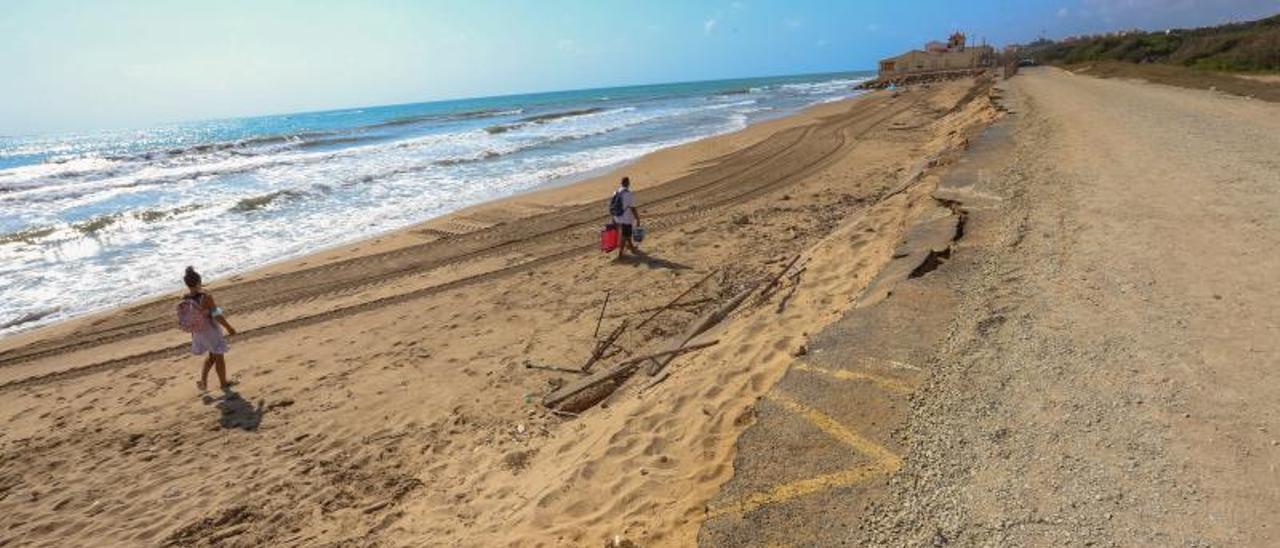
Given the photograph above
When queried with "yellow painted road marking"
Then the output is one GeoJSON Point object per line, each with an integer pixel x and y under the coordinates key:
{"type": "Point", "coordinates": [788, 491]}
{"type": "Point", "coordinates": [848, 375]}
{"type": "Point", "coordinates": [839, 431]}
{"type": "Point", "coordinates": [883, 462]}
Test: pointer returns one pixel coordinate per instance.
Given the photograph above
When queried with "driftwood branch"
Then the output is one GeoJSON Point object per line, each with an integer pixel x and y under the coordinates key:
{"type": "Point", "coordinates": [607, 292]}
{"type": "Point", "coordinates": [706, 322]}
{"type": "Point", "coordinates": [685, 304]}
{"type": "Point", "coordinates": [622, 369]}
{"type": "Point", "coordinates": [614, 351]}
{"type": "Point", "coordinates": [531, 365]}
{"type": "Point", "coordinates": [657, 380]}
{"type": "Point", "coordinates": [602, 346]}
{"type": "Point", "coordinates": [667, 353]}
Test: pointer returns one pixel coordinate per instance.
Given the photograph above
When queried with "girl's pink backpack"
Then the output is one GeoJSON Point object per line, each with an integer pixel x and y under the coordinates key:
{"type": "Point", "coordinates": [191, 317]}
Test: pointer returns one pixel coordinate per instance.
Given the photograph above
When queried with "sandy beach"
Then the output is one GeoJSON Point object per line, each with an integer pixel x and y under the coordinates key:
{"type": "Point", "coordinates": [384, 391]}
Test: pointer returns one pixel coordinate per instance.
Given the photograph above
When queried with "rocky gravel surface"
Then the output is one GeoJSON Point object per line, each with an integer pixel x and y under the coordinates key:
{"type": "Point", "coordinates": [1109, 377]}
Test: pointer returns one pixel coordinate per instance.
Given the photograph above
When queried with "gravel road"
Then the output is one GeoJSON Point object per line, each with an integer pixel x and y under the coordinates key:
{"type": "Point", "coordinates": [1111, 376]}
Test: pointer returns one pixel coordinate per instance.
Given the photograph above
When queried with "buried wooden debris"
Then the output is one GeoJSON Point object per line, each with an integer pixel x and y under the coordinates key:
{"type": "Point", "coordinates": [703, 324]}
{"type": "Point", "coordinates": [602, 346]}
{"type": "Point", "coordinates": [617, 372]}
{"type": "Point", "coordinates": [614, 352]}
{"type": "Point", "coordinates": [773, 283]}
{"type": "Point", "coordinates": [687, 304]}
{"type": "Point", "coordinates": [657, 380]}
{"type": "Point", "coordinates": [795, 284]}
{"type": "Point", "coordinates": [530, 365]}
{"type": "Point", "coordinates": [677, 299]}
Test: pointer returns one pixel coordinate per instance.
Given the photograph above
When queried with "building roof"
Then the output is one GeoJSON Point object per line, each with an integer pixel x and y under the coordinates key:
{"type": "Point", "coordinates": [966, 51]}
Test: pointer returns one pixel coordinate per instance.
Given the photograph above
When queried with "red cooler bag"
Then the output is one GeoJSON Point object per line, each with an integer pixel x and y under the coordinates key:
{"type": "Point", "coordinates": [609, 238]}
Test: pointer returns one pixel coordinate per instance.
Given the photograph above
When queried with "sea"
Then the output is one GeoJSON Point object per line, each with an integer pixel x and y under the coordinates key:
{"type": "Point", "coordinates": [93, 220]}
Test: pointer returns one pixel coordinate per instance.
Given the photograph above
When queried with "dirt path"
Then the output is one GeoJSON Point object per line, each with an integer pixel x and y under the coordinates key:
{"type": "Point", "coordinates": [1110, 378]}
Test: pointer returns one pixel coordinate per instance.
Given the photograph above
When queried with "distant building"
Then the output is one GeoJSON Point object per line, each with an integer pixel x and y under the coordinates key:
{"type": "Point", "coordinates": [937, 57]}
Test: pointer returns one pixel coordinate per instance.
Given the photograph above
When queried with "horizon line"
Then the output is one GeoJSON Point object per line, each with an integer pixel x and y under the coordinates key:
{"type": "Point", "coordinates": [386, 105]}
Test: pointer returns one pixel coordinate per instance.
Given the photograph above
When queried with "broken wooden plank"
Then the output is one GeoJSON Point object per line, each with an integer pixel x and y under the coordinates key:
{"type": "Point", "coordinates": [622, 369]}
{"type": "Point", "coordinates": [706, 322]}
{"type": "Point", "coordinates": [667, 353]}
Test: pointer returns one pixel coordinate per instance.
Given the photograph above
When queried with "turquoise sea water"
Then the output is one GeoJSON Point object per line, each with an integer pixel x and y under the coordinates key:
{"type": "Point", "coordinates": [94, 220]}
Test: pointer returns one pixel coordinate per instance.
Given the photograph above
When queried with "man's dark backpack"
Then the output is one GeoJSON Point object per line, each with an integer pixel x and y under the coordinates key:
{"type": "Point", "coordinates": [615, 205]}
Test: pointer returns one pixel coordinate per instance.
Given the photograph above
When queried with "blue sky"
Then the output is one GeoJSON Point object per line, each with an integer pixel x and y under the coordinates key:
{"type": "Point", "coordinates": [96, 64]}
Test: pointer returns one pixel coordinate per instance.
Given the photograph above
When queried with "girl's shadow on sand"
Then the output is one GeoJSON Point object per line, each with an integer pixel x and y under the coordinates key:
{"type": "Point", "coordinates": [236, 411]}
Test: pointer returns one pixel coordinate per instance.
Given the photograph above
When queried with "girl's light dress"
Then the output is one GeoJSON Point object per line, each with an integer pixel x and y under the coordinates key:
{"type": "Point", "coordinates": [208, 340]}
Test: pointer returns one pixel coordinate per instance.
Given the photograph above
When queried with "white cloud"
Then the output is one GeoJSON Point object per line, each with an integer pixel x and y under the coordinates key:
{"type": "Point", "coordinates": [738, 6]}
{"type": "Point", "coordinates": [1063, 12]}
{"type": "Point", "coordinates": [873, 27]}
{"type": "Point", "coordinates": [793, 22]}
{"type": "Point", "coordinates": [710, 26]}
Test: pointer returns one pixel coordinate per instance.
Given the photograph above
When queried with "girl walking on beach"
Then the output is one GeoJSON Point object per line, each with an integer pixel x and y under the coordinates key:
{"type": "Point", "coordinates": [199, 315]}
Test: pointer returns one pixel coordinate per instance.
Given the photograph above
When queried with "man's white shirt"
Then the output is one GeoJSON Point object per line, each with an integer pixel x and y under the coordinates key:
{"type": "Point", "coordinates": [628, 217]}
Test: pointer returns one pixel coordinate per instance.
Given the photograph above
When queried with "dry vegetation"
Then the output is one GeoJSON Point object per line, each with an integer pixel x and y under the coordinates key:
{"type": "Point", "coordinates": [1183, 77]}
{"type": "Point", "coordinates": [1239, 47]}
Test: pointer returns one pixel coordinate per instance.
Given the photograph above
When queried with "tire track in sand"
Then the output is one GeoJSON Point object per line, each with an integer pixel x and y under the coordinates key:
{"type": "Point", "coordinates": [774, 163]}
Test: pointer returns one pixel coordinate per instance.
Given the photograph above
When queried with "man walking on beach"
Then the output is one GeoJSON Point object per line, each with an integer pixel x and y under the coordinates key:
{"type": "Point", "coordinates": [623, 209]}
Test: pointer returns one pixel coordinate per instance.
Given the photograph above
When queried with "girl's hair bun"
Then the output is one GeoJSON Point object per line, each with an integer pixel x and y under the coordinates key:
{"type": "Point", "coordinates": [191, 278]}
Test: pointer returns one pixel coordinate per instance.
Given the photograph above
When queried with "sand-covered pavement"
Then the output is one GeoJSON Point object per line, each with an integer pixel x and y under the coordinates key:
{"type": "Point", "coordinates": [1109, 377]}
{"type": "Point", "coordinates": [383, 392]}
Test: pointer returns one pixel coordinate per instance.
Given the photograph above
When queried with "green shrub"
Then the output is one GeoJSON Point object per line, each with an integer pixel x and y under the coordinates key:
{"type": "Point", "coordinates": [1251, 46]}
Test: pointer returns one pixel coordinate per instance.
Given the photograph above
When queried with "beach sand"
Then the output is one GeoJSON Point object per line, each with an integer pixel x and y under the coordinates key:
{"type": "Point", "coordinates": [383, 395]}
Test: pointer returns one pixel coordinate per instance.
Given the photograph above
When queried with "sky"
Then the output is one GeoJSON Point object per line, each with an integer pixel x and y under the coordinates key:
{"type": "Point", "coordinates": [89, 64]}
